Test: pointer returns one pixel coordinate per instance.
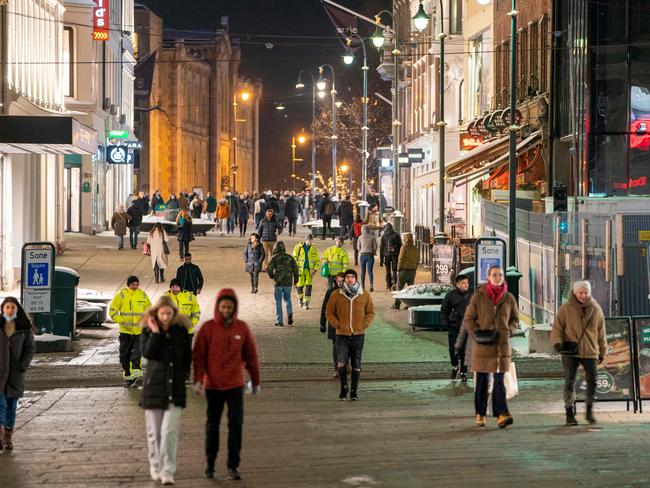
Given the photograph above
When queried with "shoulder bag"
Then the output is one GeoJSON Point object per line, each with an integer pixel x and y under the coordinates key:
{"type": "Point", "coordinates": [488, 336]}
{"type": "Point", "coordinates": [570, 348]}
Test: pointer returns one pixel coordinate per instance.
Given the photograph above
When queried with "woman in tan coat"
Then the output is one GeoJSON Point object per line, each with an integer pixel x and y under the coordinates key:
{"type": "Point", "coordinates": [579, 335]}
{"type": "Point", "coordinates": [157, 236]}
{"type": "Point", "coordinates": [119, 223]}
{"type": "Point", "coordinates": [492, 318]}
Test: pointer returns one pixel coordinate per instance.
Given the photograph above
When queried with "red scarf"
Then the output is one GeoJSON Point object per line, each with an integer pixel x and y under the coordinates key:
{"type": "Point", "coordinates": [495, 293]}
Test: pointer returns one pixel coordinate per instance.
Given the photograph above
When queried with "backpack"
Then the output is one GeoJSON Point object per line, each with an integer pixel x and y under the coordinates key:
{"type": "Point", "coordinates": [329, 209]}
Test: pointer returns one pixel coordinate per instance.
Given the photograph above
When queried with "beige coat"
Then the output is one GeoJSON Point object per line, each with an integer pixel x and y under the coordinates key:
{"type": "Point", "coordinates": [409, 254]}
{"type": "Point", "coordinates": [572, 318]}
{"type": "Point", "coordinates": [482, 314]}
{"type": "Point", "coordinates": [158, 255]}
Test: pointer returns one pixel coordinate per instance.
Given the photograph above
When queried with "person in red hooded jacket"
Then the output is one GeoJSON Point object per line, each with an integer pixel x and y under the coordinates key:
{"type": "Point", "coordinates": [224, 347]}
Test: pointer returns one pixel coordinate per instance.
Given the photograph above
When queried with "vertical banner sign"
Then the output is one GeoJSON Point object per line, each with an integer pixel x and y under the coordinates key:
{"type": "Point", "coordinates": [346, 25]}
{"type": "Point", "coordinates": [37, 277]}
{"type": "Point", "coordinates": [615, 377]}
{"type": "Point", "coordinates": [101, 20]}
{"type": "Point", "coordinates": [143, 72]}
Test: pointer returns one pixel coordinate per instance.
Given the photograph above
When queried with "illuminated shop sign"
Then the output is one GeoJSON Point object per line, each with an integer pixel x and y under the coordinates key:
{"type": "Point", "coordinates": [100, 20]}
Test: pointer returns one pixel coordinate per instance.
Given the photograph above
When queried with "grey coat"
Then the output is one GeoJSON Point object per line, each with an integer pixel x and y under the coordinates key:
{"type": "Point", "coordinates": [16, 353]}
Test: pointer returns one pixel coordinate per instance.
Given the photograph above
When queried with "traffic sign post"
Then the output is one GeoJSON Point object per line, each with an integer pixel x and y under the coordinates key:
{"type": "Point", "coordinates": [37, 276]}
{"type": "Point", "coordinates": [489, 252]}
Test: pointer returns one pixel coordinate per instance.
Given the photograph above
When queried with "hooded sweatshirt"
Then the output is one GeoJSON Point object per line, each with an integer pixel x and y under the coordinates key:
{"type": "Point", "coordinates": [282, 268]}
{"type": "Point", "coordinates": [223, 350]}
{"type": "Point", "coordinates": [367, 242]}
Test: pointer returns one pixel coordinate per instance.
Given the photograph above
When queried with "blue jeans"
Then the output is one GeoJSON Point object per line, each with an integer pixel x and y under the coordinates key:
{"type": "Point", "coordinates": [367, 263]}
{"type": "Point", "coordinates": [8, 411]}
{"type": "Point", "coordinates": [282, 292]}
{"type": "Point", "coordinates": [499, 403]}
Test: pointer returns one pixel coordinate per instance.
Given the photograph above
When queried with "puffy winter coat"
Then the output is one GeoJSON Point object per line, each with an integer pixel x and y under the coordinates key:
{"type": "Point", "coordinates": [223, 210]}
{"type": "Point", "coordinates": [127, 308]}
{"type": "Point", "coordinates": [373, 220]}
{"type": "Point", "coordinates": [253, 257]}
{"type": "Point", "coordinates": [184, 232]}
{"type": "Point", "coordinates": [292, 207]}
{"type": "Point", "coordinates": [222, 351]}
{"type": "Point", "coordinates": [169, 360]}
{"type": "Point", "coordinates": [16, 353]}
{"type": "Point", "coordinates": [572, 319]}
{"type": "Point", "coordinates": [268, 228]}
{"type": "Point", "coordinates": [452, 310]}
{"type": "Point", "coordinates": [350, 315]}
{"type": "Point", "coordinates": [482, 314]}
{"type": "Point", "coordinates": [312, 256]}
{"type": "Point", "coordinates": [119, 223]}
{"type": "Point", "coordinates": [282, 268]}
{"type": "Point", "coordinates": [409, 255]}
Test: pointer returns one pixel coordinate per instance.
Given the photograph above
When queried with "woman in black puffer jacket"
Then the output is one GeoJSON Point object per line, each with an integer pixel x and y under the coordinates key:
{"type": "Point", "coordinates": [167, 348]}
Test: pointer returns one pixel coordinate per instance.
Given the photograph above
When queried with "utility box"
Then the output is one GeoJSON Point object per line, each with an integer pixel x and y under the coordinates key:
{"type": "Point", "coordinates": [63, 319]}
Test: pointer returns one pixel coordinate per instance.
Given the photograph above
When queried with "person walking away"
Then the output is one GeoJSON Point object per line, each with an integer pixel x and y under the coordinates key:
{"type": "Point", "coordinates": [242, 214]}
{"type": "Point", "coordinates": [356, 234]}
{"type": "Point", "coordinates": [391, 244]}
{"type": "Point", "coordinates": [127, 309]}
{"type": "Point", "coordinates": [327, 210]}
{"type": "Point", "coordinates": [452, 312]}
{"type": "Point", "coordinates": [211, 207]}
{"type": "Point", "coordinates": [491, 319]}
{"type": "Point", "coordinates": [172, 203]}
{"type": "Point", "coordinates": [373, 199]}
{"type": "Point", "coordinates": [223, 214]}
{"type": "Point", "coordinates": [292, 211]}
{"type": "Point", "coordinates": [337, 260]}
{"type": "Point", "coordinates": [17, 349]}
{"type": "Point", "coordinates": [284, 272]}
{"type": "Point", "coordinates": [135, 221]}
{"type": "Point", "coordinates": [253, 259]}
{"type": "Point", "coordinates": [183, 201]}
{"type": "Point", "coordinates": [190, 276]}
{"type": "Point", "coordinates": [119, 223]}
{"type": "Point", "coordinates": [186, 303]}
{"type": "Point", "coordinates": [259, 209]}
{"type": "Point", "coordinates": [223, 347]}
{"type": "Point", "coordinates": [579, 335]}
{"type": "Point", "coordinates": [233, 209]}
{"type": "Point", "coordinates": [306, 205]}
{"type": "Point", "coordinates": [167, 348]}
{"type": "Point", "coordinates": [345, 213]}
{"type": "Point", "coordinates": [350, 311]}
{"type": "Point", "coordinates": [281, 215]}
{"type": "Point", "coordinates": [142, 203]}
{"type": "Point", "coordinates": [158, 250]}
{"type": "Point", "coordinates": [325, 326]}
{"type": "Point", "coordinates": [307, 259]}
{"type": "Point", "coordinates": [184, 233]}
{"type": "Point", "coordinates": [407, 265]}
{"type": "Point", "coordinates": [367, 247]}
{"type": "Point", "coordinates": [268, 230]}
{"type": "Point", "coordinates": [156, 201]}
{"type": "Point", "coordinates": [274, 204]}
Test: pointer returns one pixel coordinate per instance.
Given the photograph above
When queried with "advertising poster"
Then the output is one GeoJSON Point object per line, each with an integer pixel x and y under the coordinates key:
{"type": "Point", "coordinates": [443, 264]}
{"type": "Point", "coordinates": [642, 326]}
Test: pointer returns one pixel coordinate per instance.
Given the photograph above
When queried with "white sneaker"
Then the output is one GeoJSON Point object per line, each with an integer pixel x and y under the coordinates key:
{"type": "Point", "coordinates": [155, 475]}
{"type": "Point", "coordinates": [167, 479]}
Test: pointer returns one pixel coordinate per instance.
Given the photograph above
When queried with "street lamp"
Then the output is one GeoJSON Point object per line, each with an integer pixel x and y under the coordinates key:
{"type": "Point", "coordinates": [421, 19]}
{"type": "Point", "coordinates": [301, 140]}
{"type": "Point", "coordinates": [377, 37]}
{"type": "Point", "coordinates": [344, 170]}
{"type": "Point", "coordinates": [348, 56]}
{"type": "Point", "coordinates": [333, 92]}
{"type": "Point", "coordinates": [245, 96]}
{"type": "Point", "coordinates": [300, 85]}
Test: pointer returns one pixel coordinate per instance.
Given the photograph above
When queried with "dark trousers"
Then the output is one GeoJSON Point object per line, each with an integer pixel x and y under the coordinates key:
{"type": "Point", "coordinates": [327, 224]}
{"type": "Point", "coordinates": [183, 248]}
{"type": "Point", "coordinates": [335, 356]}
{"type": "Point", "coordinates": [571, 364]}
{"type": "Point", "coordinates": [452, 335]}
{"type": "Point", "coordinates": [349, 349]}
{"type": "Point", "coordinates": [216, 400]}
{"type": "Point", "coordinates": [356, 251]}
{"type": "Point", "coordinates": [130, 355]}
{"type": "Point", "coordinates": [134, 232]}
{"type": "Point", "coordinates": [158, 274]}
{"type": "Point", "coordinates": [499, 404]}
{"type": "Point", "coordinates": [406, 277]}
{"type": "Point", "coordinates": [243, 224]}
{"type": "Point", "coordinates": [255, 275]}
{"type": "Point", "coordinates": [344, 230]}
{"type": "Point", "coordinates": [230, 225]}
{"type": "Point", "coordinates": [391, 270]}
{"type": "Point", "coordinates": [292, 225]}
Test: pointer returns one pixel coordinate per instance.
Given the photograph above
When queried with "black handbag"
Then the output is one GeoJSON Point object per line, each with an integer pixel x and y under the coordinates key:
{"type": "Point", "coordinates": [486, 337]}
{"type": "Point", "coordinates": [570, 348]}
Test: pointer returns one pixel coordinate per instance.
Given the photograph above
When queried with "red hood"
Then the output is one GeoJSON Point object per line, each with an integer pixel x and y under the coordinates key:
{"type": "Point", "coordinates": [225, 293]}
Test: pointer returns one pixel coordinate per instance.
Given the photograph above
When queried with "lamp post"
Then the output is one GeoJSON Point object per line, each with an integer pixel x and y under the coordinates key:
{"type": "Point", "coordinates": [345, 170]}
{"type": "Point", "coordinates": [321, 85]}
{"type": "Point", "coordinates": [245, 96]}
{"type": "Point", "coordinates": [348, 58]}
{"type": "Point", "coordinates": [301, 140]}
{"type": "Point", "coordinates": [299, 86]}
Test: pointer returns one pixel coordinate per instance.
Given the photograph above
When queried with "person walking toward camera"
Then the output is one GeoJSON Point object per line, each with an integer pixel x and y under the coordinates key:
{"type": "Point", "coordinates": [158, 243]}
{"type": "Point", "coordinates": [224, 347]}
{"type": "Point", "coordinates": [167, 346]}
{"type": "Point", "coordinates": [325, 326]}
{"type": "Point", "coordinates": [578, 334]}
{"type": "Point", "coordinates": [253, 259]}
{"type": "Point", "coordinates": [491, 319]}
{"type": "Point", "coordinates": [452, 312]}
{"type": "Point", "coordinates": [185, 233]}
{"type": "Point", "coordinates": [306, 257]}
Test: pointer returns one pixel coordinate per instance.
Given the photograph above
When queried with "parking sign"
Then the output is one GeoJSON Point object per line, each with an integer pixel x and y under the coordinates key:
{"type": "Point", "coordinates": [37, 275]}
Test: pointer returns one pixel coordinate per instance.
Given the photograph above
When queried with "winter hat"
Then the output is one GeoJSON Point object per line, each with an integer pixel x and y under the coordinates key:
{"type": "Point", "coordinates": [132, 279]}
{"type": "Point", "coordinates": [309, 237]}
{"type": "Point", "coordinates": [175, 282]}
{"type": "Point", "coordinates": [351, 272]}
{"type": "Point", "coordinates": [579, 285]}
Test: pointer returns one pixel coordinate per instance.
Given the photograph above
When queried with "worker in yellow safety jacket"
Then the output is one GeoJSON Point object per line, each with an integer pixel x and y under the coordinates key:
{"type": "Point", "coordinates": [127, 308]}
{"type": "Point", "coordinates": [306, 257]}
{"type": "Point", "coordinates": [337, 260]}
{"type": "Point", "coordinates": [186, 302]}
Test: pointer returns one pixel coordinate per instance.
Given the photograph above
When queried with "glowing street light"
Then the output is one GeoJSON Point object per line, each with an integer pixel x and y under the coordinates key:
{"type": "Point", "coordinates": [321, 84]}
{"type": "Point", "coordinates": [421, 19]}
{"type": "Point", "coordinates": [245, 96]}
{"type": "Point", "coordinates": [377, 37]}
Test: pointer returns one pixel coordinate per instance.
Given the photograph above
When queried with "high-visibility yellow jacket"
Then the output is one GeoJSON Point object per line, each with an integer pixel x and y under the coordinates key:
{"type": "Point", "coordinates": [187, 305]}
{"type": "Point", "coordinates": [127, 308]}
{"type": "Point", "coordinates": [337, 259]}
{"type": "Point", "coordinates": [299, 256]}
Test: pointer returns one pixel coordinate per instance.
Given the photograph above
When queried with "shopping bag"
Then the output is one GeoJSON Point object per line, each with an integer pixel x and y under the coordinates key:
{"type": "Point", "coordinates": [510, 382]}
{"type": "Point", "coordinates": [325, 270]}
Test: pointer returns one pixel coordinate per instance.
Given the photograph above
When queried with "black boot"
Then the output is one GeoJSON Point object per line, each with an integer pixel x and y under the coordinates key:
{"type": "Point", "coordinates": [343, 378]}
{"type": "Point", "coordinates": [355, 384]}
{"type": "Point", "coordinates": [162, 275]}
{"type": "Point", "coordinates": [590, 414]}
{"type": "Point", "coordinates": [156, 275]}
{"type": "Point", "coordinates": [570, 417]}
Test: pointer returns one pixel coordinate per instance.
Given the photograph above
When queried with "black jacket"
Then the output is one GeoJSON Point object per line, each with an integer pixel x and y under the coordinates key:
{"type": "Point", "coordinates": [331, 331]}
{"type": "Point", "coordinates": [391, 243]}
{"type": "Point", "coordinates": [253, 257]}
{"type": "Point", "coordinates": [184, 231]}
{"type": "Point", "coordinates": [16, 353]}
{"type": "Point", "coordinates": [135, 214]}
{"type": "Point", "coordinates": [243, 211]}
{"type": "Point", "coordinates": [169, 358]}
{"type": "Point", "coordinates": [453, 308]}
{"type": "Point", "coordinates": [274, 204]}
{"type": "Point", "coordinates": [292, 207]}
{"type": "Point", "coordinates": [190, 277]}
{"type": "Point", "coordinates": [345, 213]}
{"type": "Point", "coordinates": [323, 207]}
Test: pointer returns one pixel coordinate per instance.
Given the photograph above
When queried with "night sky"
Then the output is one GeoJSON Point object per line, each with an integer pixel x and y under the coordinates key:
{"type": "Point", "coordinates": [309, 40]}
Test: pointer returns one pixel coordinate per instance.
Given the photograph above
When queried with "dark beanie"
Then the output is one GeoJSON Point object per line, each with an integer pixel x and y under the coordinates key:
{"type": "Point", "coordinates": [132, 279]}
{"type": "Point", "coordinates": [175, 282]}
{"type": "Point", "coordinates": [351, 272]}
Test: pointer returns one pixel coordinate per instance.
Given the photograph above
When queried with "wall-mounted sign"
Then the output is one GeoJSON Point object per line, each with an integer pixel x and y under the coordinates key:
{"type": "Point", "coordinates": [403, 160]}
{"type": "Point", "coordinates": [467, 142]}
{"type": "Point", "coordinates": [415, 155]}
{"type": "Point", "coordinates": [506, 117]}
{"type": "Point", "coordinates": [101, 21]}
{"type": "Point", "coordinates": [118, 134]}
{"type": "Point", "coordinates": [117, 155]}
{"type": "Point", "coordinates": [133, 144]}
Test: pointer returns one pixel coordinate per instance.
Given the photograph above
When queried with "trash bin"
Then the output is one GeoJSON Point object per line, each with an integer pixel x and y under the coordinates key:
{"type": "Point", "coordinates": [63, 319]}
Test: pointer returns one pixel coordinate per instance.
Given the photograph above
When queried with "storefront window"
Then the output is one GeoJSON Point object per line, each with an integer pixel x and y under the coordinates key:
{"type": "Point", "coordinates": [609, 88]}
{"type": "Point", "coordinates": [608, 165]}
{"type": "Point", "coordinates": [639, 183]}
{"type": "Point", "coordinates": [607, 21]}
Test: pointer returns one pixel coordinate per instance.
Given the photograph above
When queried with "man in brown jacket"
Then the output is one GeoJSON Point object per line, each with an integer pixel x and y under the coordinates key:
{"type": "Point", "coordinates": [579, 335]}
{"type": "Point", "coordinates": [407, 265]}
{"type": "Point", "coordinates": [350, 311]}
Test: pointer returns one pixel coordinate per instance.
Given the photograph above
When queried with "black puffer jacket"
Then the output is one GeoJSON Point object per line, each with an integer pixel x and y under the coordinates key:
{"type": "Point", "coordinates": [453, 308]}
{"type": "Point", "coordinates": [169, 358]}
{"type": "Point", "coordinates": [253, 257]}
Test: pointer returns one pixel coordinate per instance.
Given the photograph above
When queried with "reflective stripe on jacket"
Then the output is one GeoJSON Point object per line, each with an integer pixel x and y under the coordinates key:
{"type": "Point", "coordinates": [127, 308]}
{"type": "Point", "coordinates": [337, 259]}
{"type": "Point", "coordinates": [299, 256]}
{"type": "Point", "coordinates": [188, 305]}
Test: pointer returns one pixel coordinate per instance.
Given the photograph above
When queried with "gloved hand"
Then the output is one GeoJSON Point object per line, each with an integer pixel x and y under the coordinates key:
{"type": "Point", "coordinates": [323, 328]}
{"type": "Point", "coordinates": [557, 347]}
{"type": "Point", "coordinates": [256, 389]}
